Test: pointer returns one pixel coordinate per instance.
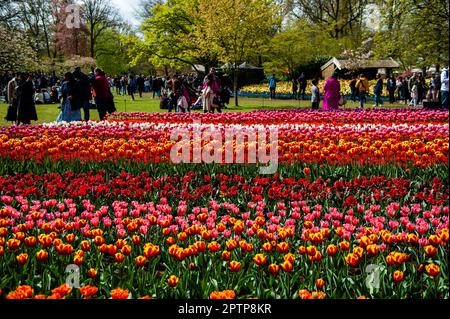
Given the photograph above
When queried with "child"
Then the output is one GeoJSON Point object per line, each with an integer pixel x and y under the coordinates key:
{"type": "Point", "coordinates": [315, 97]}
{"type": "Point", "coordinates": [414, 94]}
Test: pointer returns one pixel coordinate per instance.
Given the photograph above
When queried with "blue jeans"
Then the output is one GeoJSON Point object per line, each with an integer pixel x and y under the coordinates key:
{"type": "Point", "coordinates": [444, 99]}
{"type": "Point", "coordinates": [86, 105]}
{"type": "Point", "coordinates": [362, 99]}
{"type": "Point", "coordinates": [378, 100]}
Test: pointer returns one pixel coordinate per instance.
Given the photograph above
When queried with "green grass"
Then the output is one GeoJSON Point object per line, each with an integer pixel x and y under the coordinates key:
{"type": "Point", "coordinates": [49, 113]}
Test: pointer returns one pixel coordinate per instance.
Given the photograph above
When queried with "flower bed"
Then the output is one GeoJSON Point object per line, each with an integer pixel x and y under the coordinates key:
{"type": "Point", "coordinates": [355, 193]}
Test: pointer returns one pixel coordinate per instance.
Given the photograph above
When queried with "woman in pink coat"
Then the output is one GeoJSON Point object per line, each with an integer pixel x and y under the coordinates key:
{"type": "Point", "coordinates": [332, 93]}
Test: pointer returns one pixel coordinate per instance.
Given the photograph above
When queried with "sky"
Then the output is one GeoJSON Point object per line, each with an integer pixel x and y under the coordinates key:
{"type": "Point", "coordinates": [127, 10]}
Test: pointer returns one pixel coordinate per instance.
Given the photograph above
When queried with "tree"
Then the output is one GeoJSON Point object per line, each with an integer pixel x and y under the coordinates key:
{"type": "Point", "coordinates": [112, 52]}
{"type": "Point", "coordinates": [37, 20]}
{"type": "Point", "coordinates": [414, 32]}
{"type": "Point", "coordinates": [15, 54]}
{"type": "Point", "coordinates": [235, 29]}
{"type": "Point", "coordinates": [144, 10]}
{"type": "Point", "coordinates": [339, 17]}
{"type": "Point", "coordinates": [171, 37]}
{"type": "Point", "coordinates": [8, 11]}
{"type": "Point", "coordinates": [299, 42]}
{"type": "Point", "coordinates": [99, 15]}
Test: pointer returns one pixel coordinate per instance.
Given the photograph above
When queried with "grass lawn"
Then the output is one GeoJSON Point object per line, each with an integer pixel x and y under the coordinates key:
{"type": "Point", "coordinates": [48, 113]}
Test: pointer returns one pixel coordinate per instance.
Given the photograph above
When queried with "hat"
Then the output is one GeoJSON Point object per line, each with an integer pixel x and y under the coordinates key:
{"type": "Point", "coordinates": [335, 74]}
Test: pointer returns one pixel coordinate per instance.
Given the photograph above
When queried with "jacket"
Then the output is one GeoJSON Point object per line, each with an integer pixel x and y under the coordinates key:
{"type": "Point", "coordinates": [362, 85]}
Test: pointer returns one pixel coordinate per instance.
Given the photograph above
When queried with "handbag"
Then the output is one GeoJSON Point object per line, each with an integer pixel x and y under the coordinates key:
{"type": "Point", "coordinates": [11, 115]}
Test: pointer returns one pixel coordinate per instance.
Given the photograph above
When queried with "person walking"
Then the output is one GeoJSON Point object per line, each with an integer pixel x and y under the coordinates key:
{"type": "Point", "coordinates": [272, 86]}
{"type": "Point", "coordinates": [295, 89]}
{"type": "Point", "coordinates": [156, 88]}
{"type": "Point", "coordinates": [140, 82]}
{"type": "Point", "coordinates": [26, 110]}
{"type": "Point", "coordinates": [101, 93]}
{"type": "Point", "coordinates": [11, 94]}
{"type": "Point", "coordinates": [444, 88]}
{"type": "Point", "coordinates": [331, 93]}
{"type": "Point", "coordinates": [72, 101]}
{"type": "Point", "coordinates": [315, 95]}
{"type": "Point", "coordinates": [363, 88]}
{"type": "Point", "coordinates": [303, 84]}
{"type": "Point", "coordinates": [378, 91]}
{"type": "Point", "coordinates": [132, 86]}
{"type": "Point", "coordinates": [353, 90]}
{"type": "Point", "coordinates": [124, 85]}
{"type": "Point", "coordinates": [85, 94]}
{"type": "Point", "coordinates": [391, 86]}
{"type": "Point", "coordinates": [414, 94]}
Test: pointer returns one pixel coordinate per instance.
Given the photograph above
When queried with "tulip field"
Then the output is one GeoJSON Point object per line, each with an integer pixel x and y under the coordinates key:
{"type": "Point", "coordinates": [357, 208]}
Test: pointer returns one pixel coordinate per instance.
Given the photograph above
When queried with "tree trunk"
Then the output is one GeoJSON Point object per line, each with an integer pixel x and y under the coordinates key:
{"type": "Point", "coordinates": [92, 42]}
{"type": "Point", "coordinates": [236, 100]}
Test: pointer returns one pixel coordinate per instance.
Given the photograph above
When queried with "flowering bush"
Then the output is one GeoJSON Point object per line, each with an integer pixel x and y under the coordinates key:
{"type": "Point", "coordinates": [357, 194]}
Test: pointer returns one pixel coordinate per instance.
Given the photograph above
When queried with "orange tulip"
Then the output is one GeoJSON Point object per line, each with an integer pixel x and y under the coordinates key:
{"type": "Point", "coordinates": [267, 247]}
{"type": "Point", "coordinates": [13, 244]}
{"type": "Point", "coordinates": [231, 244]}
{"type": "Point", "coordinates": [99, 240]}
{"type": "Point", "coordinates": [302, 250]}
{"type": "Point", "coordinates": [287, 266]}
{"type": "Point", "coordinates": [289, 257]}
{"type": "Point", "coordinates": [42, 255]}
{"type": "Point", "coordinates": [397, 276]}
{"type": "Point", "coordinates": [226, 255]}
{"type": "Point", "coordinates": [85, 245]}
{"type": "Point", "coordinates": [320, 283]}
{"type": "Point", "coordinates": [359, 251]}
{"type": "Point", "coordinates": [173, 281]}
{"type": "Point", "coordinates": [119, 293]}
{"type": "Point", "coordinates": [332, 250]}
{"type": "Point", "coordinates": [30, 241]}
{"type": "Point", "coordinates": [274, 269]}
{"type": "Point", "coordinates": [119, 258]}
{"type": "Point", "coordinates": [88, 291]}
{"type": "Point", "coordinates": [62, 290]}
{"type": "Point", "coordinates": [283, 247]}
{"type": "Point", "coordinates": [260, 259]}
{"type": "Point", "coordinates": [136, 239]}
{"type": "Point", "coordinates": [213, 246]}
{"type": "Point", "coordinates": [433, 270]}
{"type": "Point", "coordinates": [352, 260]}
{"type": "Point", "coordinates": [92, 273]}
{"type": "Point", "coordinates": [372, 250]}
{"type": "Point", "coordinates": [235, 266]}
{"type": "Point", "coordinates": [126, 250]}
{"type": "Point", "coordinates": [307, 171]}
{"type": "Point", "coordinates": [140, 261]}
{"type": "Point", "coordinates": [304, 294]}
{"type": "Point", "coordinates": [430, 250]}
{"type": "Point", "coordinates": [22, 258]}
{"type": "Point", "coordinates": [344, 245]}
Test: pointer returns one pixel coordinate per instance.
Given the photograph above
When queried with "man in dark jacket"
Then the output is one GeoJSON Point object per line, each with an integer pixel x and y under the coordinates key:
{"type": "Point", "coordinates": [84, 91]}
{"type": "Point", "coordinates": [140, 84]}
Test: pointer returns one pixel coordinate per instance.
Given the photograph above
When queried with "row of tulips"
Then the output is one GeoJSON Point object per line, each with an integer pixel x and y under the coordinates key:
{"type": "Point", "coordinates": [404, 144]}
{"type": "Point", "coordinates": [194, 188]}
{"type": "Point", "coordinates": [256, 251]}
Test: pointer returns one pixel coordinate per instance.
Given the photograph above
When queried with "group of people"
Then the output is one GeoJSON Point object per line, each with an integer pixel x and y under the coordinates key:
{"type": "Point", "coordinates": [75, 92]}
{"type": "Point", "coordinates": [412, 91]}
{"type": "Point", "coordinates": [183, 93]}
{"type": "Point", "coordinates": [132, 85]}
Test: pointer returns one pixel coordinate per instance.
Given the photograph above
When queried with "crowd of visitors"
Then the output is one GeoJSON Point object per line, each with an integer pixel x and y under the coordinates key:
{"type": "Point", "coordinates": [77, 92]}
